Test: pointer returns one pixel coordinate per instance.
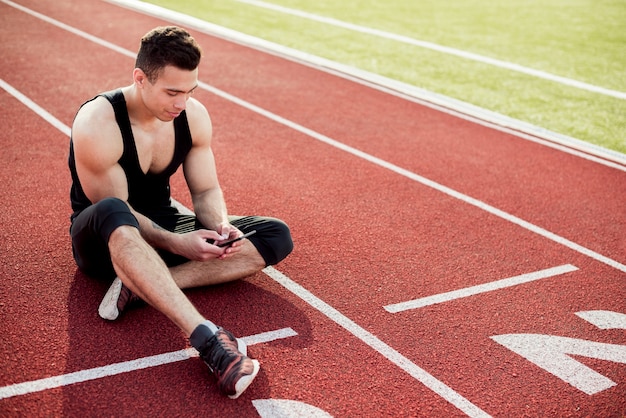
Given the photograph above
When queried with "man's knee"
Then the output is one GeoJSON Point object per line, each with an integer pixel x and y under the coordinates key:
{"type": "Point", "coordinates": [114, 214]}
{"type": "Point", "coordinates": [91, 231]}
{"type": "Point", "coordinates": [92, 228]}
{"type": "Point", "coordinates": [278, 243]}
{"type": "Point", "coordinates": [110, 205]}
{"type": "Point", "coordinates": [285, 246]}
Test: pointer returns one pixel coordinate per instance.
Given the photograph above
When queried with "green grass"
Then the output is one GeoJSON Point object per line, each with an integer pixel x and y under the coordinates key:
{"type": "Point", "coordinates": [583, 40]}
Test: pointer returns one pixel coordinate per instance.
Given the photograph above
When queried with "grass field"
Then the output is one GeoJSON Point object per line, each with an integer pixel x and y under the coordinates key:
{"type": "Point", "coordinates": [579, 40]}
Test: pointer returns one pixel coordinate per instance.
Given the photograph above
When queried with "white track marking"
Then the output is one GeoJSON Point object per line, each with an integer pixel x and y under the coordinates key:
{"type": "Point", "coordinates": [478, 289]}
{"type": "Point", "coordinates": [439, 48]}
{"type": "Point", "coordinates": [604, 319]}
{"type": "Point", "coordinates": [266, 337]}
{"type": "Point", "coordinates": [375, 343]}
{"type": "Point", "coordinates": [35, 108]}
{"type": "Point", "coordinates": [286, 408]}
{"type": "Point", "coordinates": [552, 353]}
{"type": "Point", "coordinates": [70, 29]}
{"type": "Point", "coordinates": [19, 389]}
{"type": "Point", "coordinates": [397, 88]}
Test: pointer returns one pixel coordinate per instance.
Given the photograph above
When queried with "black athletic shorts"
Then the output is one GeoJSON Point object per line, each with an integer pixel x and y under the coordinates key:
{"type": "Point", "coordinates": [91, 229]}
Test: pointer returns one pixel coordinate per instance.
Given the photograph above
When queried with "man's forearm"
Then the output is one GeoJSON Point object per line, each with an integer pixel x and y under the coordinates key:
{"type": "Point", "coordinates": [154, 234]}
{"type": "Point", "coordinates": [210, 208]}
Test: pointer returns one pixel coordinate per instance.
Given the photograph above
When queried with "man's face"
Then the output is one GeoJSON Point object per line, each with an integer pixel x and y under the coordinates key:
{"type": "Point", "coordinates": [167, 97]}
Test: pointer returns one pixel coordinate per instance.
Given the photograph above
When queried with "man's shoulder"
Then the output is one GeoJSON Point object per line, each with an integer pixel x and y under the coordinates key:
{"type": "Point", "coordinates": [99, 106]}
{"type": "Point", "coordinates": [95, 131]}
{"type": "Point", "coordinates": [96, 114]}
{"type": "Point", "coordinates": [195, 109]}
{"type": "Point", "coordinates": [199, 121]}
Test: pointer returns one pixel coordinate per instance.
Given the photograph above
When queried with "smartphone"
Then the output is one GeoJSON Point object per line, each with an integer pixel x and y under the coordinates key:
{"type": "Point", "coordinates": [229, 242]}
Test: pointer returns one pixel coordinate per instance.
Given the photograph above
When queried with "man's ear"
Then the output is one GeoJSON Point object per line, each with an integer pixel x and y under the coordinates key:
{"type": "Point", "coordinates": [139, 77]}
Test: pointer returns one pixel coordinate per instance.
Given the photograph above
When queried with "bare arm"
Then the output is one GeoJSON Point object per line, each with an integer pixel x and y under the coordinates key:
{"type": "Point", "coordinates": [98, 147]}
{"type": "Point", "coordinates": [200, 170]}
{"type": "Point", "coordinates": [201, 175]}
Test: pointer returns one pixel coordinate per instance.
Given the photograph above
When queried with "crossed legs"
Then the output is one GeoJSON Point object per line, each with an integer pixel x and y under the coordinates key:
{"type": "Point", "coordinates": [106, 242]}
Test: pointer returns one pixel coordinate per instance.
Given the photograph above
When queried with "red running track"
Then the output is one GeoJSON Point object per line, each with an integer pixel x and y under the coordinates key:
{"type": "Point", "coordinates": [437, 203]}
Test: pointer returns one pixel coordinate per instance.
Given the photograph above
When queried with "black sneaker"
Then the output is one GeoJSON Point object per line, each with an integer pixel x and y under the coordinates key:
{"type": "Point", "coordinates": [116, 300]}
{"type": "Point", "coordinates": [222, 353]}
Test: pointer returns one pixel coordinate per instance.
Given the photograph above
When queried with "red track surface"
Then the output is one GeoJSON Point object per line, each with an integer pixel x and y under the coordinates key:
{"type": "Point", "coordinates": [366, 237]}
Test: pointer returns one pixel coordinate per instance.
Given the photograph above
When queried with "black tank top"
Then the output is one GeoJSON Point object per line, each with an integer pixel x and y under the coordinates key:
{"type": "Point", "coordinates": [148, 193]}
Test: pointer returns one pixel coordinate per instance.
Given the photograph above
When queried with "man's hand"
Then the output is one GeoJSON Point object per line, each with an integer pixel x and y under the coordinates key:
{"type": "Point", "coordinates": [202, 245]}
{"type": "Point", "coordinates": [228, 232]}
{"type": "Point", "coordinates": [198, 245]}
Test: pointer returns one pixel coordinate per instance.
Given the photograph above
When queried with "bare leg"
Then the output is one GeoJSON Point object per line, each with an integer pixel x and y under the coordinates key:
{"type": "Point", "coordinates": [195, 273]}
{"type": "Point", "coordinates": [141, 269]}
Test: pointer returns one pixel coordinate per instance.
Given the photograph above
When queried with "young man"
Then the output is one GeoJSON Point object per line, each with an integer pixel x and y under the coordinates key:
{"type": "Point", "coordinates": [125, 146]}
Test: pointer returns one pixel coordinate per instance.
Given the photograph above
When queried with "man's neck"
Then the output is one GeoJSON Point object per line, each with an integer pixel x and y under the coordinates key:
{"type": "Point", "coordinates": [137, 110]}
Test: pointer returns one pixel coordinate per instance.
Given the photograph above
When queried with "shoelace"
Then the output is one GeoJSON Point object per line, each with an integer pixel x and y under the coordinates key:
{"type": "Point", "coordinates": [223, 351]}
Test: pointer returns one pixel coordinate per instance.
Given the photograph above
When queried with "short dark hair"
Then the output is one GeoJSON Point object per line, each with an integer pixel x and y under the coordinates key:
{"type": "Point", "coordinates": [167, 45]}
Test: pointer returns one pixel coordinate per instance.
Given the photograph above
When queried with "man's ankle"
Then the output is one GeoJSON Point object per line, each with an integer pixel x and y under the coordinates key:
{"type": "Point", "coordinates": [202, 332]}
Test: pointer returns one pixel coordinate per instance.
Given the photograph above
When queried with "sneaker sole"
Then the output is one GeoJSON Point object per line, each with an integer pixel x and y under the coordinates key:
{"type": "Point", "coordinates": [108, 307]}
{"type": "Point", "coordinates": [245, 381]}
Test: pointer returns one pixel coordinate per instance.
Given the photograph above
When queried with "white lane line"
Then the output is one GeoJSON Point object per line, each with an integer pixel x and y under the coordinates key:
{"type": "Point", "coordinates": [269, 336]}
{"type": "Point", "coordinates": [70, 29]}
{"type": "Point", "coordinates": [35, 108]}
{"type": "Point", "coordinates": [24, 388]}
{"type": "Point", "coordinates": [439, 48]}
{"type": "Point", "coordinates": [604, 319]}
{"type": "Point", "coordinates": [478, 289]}
{"type": "Point", "coordinates": [375, 343]}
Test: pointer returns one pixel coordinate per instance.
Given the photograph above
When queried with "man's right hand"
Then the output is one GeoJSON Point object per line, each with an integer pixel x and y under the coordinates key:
{"type": "Point", "coordinates": [197, 245]}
